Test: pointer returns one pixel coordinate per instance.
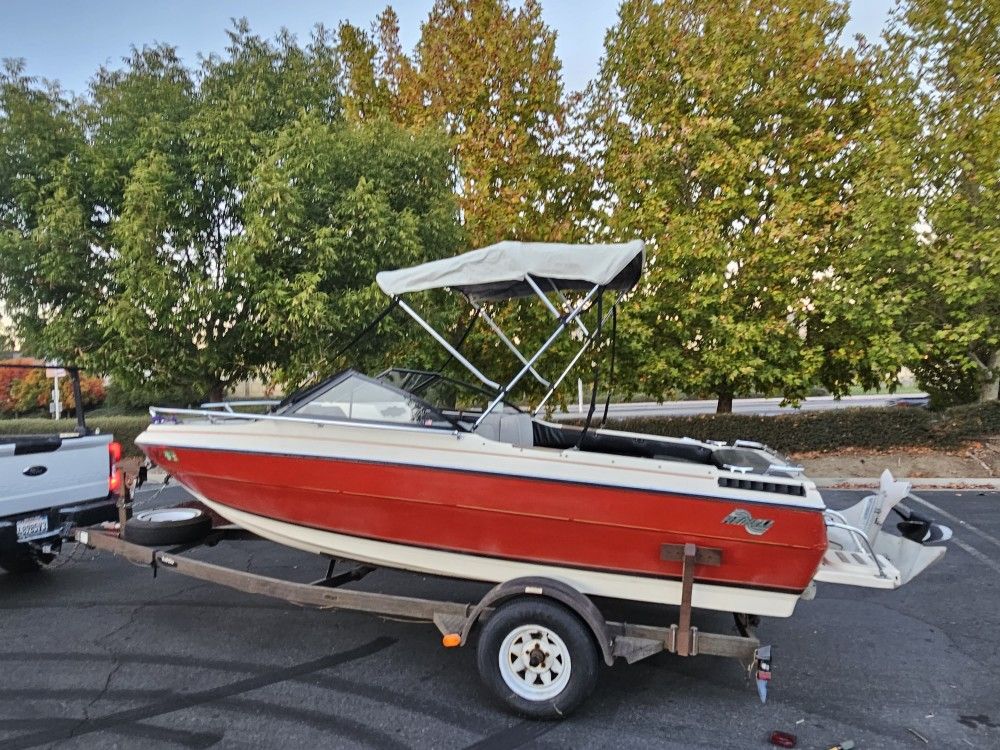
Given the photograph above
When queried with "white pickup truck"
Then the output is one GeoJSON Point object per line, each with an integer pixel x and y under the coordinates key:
{"type": "Point", "coordinates": [50, 483]}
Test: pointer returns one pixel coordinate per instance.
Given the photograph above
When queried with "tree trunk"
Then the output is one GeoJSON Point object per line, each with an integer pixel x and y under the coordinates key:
{"type": "Point", "coordinates": [217, 393]}
{"type": "Point", "coordinates": [990, 389]}
{"type": "Point", "coordinates": [725, 405]}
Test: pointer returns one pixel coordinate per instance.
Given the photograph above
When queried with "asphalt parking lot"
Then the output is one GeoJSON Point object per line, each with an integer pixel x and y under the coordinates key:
{"type": "Point", "coordinates": [95, 653]}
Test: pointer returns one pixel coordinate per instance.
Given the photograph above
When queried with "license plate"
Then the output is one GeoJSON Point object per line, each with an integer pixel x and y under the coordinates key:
{"type": "Point", "coordinates": [32, 526]}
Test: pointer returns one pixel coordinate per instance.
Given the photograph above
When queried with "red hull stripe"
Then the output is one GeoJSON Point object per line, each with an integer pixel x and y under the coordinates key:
{"type": "Point", "coordinates": [480, 473]}
{"type": "Point", "coordinates": [560, 523]}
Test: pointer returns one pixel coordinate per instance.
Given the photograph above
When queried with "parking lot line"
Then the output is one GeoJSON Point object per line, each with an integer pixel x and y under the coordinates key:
{"type": "Point", "coordinates": [977, 554]}
{"type": "Point", "coordinates": [965, 524]}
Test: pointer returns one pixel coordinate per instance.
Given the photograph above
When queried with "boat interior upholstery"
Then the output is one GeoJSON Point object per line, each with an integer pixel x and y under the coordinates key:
{"type": "Point", "coordinates": [555, 436]}
{"type": "Point", "coordinates": [520, 430]}
{"type": "Point", "coordinates": [508, 426]}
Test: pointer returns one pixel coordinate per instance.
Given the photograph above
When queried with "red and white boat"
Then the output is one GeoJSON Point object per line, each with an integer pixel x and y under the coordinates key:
{"type": "Point", "coordinates": [369, 469]}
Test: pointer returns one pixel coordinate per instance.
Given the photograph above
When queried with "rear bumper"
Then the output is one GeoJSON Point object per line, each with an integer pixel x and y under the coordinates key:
{"type": "Point", "coordinates": [88, 514]}
{"type": "Point", "coordinates": [61, 521]}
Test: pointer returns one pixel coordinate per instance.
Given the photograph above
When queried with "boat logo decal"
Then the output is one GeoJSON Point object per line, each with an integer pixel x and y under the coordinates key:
{"type": "Point", "coordinates": [755, 526]}
{"type": "Point", "coordinates": [170, 456]}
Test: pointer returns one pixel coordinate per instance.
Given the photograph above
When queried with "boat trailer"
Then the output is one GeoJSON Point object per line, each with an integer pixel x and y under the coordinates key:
{"type": "Point", "coordinates": [456, 620]}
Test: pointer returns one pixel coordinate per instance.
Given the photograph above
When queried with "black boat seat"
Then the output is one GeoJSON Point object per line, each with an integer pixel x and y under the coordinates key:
{"type": "Point", "coordinates": [508, 427]}
{"type": "Point", "coordinates": [549, 435]}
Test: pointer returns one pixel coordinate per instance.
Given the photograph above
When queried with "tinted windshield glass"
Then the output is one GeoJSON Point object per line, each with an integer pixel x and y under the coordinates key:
{"type": "Point", "coordinates": [357, 397]}
{"type": "Point", "coordinates": [446, 394]}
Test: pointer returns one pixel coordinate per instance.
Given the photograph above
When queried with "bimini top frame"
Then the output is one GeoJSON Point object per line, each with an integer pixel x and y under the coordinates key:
{"type": "Point", "coordinates": [509, 270]}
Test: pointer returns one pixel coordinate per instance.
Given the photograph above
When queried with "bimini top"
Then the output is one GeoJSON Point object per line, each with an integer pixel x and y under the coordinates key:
{"type": "Point", "coordinates": [501, 271]}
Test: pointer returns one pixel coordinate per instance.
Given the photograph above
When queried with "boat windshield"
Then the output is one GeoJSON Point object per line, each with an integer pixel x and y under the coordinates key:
{"type": "Point", "coordinates": [353, 396]}
{"type": "Point", "coordinates": [449, 395]}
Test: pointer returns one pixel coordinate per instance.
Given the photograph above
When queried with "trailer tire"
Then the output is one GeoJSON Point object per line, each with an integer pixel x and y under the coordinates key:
{"type": "Point", "coordinates": [538, 657]}
{"type": "Point", "coordinates": [167, 526]}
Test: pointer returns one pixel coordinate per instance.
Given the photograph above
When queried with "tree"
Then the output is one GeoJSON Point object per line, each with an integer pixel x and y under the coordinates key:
{"type": "Point", "coordinates": [50, 279]}
{"type": "Point", "coordinates": [186, 296]}
{"type": "Point", "coordinates": [30, 392]}
{"type": "Point", "coordinates": [330, 206]}
{"type": "Point", "coordinates": [157, 229]}
{"type": "Point", "coordinates": [730, 137]}
{"type": "Point", "coordinates": [489, 75]}
{"type": "Point", "coordinates": [952, 51]}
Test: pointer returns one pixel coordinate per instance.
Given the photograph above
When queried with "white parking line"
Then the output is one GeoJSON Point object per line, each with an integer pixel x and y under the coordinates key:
{"type": "Point", "coordinates": [965, 525]}
{"type": "Point", "coordinates": [977, 554]}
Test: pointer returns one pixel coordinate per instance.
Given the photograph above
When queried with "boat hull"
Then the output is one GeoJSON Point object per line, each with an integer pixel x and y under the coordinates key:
{"type": "Point", "coordinates": [604, 540]}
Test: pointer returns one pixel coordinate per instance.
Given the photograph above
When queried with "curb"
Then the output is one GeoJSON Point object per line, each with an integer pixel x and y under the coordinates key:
{"type": "Point", "coordinates": [918, 483]}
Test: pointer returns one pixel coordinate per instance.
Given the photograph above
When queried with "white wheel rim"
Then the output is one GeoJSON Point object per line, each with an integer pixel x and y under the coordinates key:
{"type": "Point", "coordinates": [534, 662]}
{"type": "Point", "coordinates": [168, 514]}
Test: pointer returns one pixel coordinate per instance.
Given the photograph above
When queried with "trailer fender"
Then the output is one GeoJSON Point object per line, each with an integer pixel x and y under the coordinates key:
{"type": "Point", "coordinates": [561, 592]}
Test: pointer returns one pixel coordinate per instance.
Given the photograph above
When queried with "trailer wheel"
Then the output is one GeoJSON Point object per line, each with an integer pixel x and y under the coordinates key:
{"type": "Point", "coordinates": [167, 526]}
{"type": "Point", "coordinates": [537, 657]}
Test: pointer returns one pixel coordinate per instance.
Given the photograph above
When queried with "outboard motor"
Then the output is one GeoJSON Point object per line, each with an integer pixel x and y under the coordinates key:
{"type": "Point", "coordinates": [920, 529]}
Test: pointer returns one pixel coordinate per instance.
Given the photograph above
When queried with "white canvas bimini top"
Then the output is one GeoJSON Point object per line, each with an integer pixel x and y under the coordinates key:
{"type": "Point", "coordinates": [500, 271]}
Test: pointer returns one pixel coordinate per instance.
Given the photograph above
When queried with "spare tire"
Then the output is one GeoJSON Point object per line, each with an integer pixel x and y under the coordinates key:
{"type": "Point", "coordinates": [167, 526]}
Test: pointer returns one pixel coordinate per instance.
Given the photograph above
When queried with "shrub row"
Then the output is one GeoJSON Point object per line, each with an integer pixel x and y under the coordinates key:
{"type": "Point", "coordinates": [835, 428]}
{"type": "Point", "coordinates": [125, 428]}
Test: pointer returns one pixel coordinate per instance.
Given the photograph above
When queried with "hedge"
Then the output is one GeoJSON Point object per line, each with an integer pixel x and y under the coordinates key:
{"type": "Point", "coordinates": [125, 428]}
{"type": "Point", "coordinates": [797, 432]}
{"type": "Point", "coordinates": [864, 427]}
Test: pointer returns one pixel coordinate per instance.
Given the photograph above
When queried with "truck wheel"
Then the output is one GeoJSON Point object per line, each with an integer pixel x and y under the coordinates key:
{"type": "Point", "coordinates": [167, 526]}
{"type": "Point", "coordinates": [538, 657]}
{"type": "Point", "coordinates": [23, 559]}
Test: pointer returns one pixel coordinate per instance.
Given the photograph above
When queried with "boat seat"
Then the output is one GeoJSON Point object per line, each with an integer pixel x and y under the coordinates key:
{"type": "Point", "coordinates": [508, 427]}
{"type": "Point", "coordinates": [548, 435]}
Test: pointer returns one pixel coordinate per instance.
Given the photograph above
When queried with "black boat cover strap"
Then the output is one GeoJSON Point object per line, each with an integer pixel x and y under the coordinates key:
{"type": "Point", "coordinates": [597, 367]}
{"type": "Point", "coordinates": [611, 371]}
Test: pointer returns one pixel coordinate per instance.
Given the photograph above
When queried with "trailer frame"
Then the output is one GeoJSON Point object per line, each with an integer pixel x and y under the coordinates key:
{"type": "Point", "coordinates": [456, 620]}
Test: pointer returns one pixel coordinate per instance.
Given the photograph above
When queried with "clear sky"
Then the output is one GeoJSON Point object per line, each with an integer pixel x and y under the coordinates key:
{"type": "Point", "coordinates": [68, 40]}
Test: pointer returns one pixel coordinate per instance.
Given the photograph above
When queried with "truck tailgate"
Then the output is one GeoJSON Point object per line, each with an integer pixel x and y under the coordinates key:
{"type": "Point", "coordinates": [43, 471]}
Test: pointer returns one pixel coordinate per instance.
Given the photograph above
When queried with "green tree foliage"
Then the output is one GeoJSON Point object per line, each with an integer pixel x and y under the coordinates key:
{"type": "Point", "coordinates": [184, 229]}
{"type": "Point", "coordinates": [490, 75]}
{"type": "Point", "coordinates": [952, 52]}
{"type": "Point", "coordinates": [51, 281]}
{"type": "Point", "coordinates": [814, 213]}
{"type": "Point", "coordinates": [487, 73]}
{"type": "Point", "coordinates": [331, 205]}
{"type": "Point", "coordinates": [730, 135]}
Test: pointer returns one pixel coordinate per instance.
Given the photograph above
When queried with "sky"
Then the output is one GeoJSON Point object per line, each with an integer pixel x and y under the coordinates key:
{"type": "Point", "coordinates": [69, 40]}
